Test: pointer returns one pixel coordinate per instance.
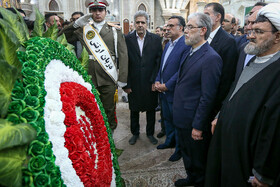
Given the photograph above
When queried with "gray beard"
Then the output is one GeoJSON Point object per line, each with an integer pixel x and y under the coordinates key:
{"type": "Point", "coordinates": [192, 41]}
{"type": "Point", "coordinates": [252, 49]}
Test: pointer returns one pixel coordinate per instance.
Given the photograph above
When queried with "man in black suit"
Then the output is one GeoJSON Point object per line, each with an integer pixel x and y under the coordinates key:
{"type": "Point", "coordinates": [144, 54]}
{"type": "Point", "coordinates": [224, 44]}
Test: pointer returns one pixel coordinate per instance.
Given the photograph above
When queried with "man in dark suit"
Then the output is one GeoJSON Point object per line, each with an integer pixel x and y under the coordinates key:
{"type": "Point", "coordinates": [167, 77]}
{"type": "Point", "coordinates": [224, 44]}
{"type": "Point", "coordinates": [144, 53]}
{"type": "Point", "coordinates": [195, 91]}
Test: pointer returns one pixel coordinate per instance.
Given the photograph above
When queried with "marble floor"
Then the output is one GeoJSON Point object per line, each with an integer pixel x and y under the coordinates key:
{"type": "Point", "coordinates": [142, 165]}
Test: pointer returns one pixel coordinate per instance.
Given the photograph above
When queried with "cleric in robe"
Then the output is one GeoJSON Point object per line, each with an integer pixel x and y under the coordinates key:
{"type": "Point", "coordinates": [245, 148]}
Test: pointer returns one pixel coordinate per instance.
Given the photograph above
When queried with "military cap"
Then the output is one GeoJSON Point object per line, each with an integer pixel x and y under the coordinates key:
{"type": "Point", "coordinates": [96, 3]}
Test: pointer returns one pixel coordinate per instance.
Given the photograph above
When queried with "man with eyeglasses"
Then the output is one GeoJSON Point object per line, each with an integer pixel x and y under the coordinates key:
{"type": "Point", "coordinates": [166, 80]}
{"type": "Point", "coordinates": [144, 52]}
{"type": "Point", "coordinates": [225, 46]}
{"type": "Point", "coordinates": [194, 96]}
{"type": "Point", "coordinates": [243, 57]}
{"type": "Point", "coordinates": [245, 146]}
{"type": "Point", "coordinates": [243, 39]}
{"type": "Point", "coordinates": [106, 45]}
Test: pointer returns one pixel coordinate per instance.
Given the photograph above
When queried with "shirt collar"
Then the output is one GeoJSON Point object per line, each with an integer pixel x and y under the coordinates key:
{"type": "Point", "coordinates": [138, 37]}
{"type": "Point", "coordinates": [214, 32]}
{"type": "Point", "coordinates": [99, 24]}
{"type": "Point", "coordinates": [197, 48]}
{"type": "Point", "coordinates": [173, 43]}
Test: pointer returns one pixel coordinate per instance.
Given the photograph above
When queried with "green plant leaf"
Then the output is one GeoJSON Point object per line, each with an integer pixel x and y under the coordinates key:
{"type": "Point", "coordinates": [52, 32]}
{"type": "Point", "coordinates": [14, 135]}
{"type": "Point", "coordinates": [24, 26]}
{"type": "Point", "coordinates": [38, 24]}
{"type": "Point", "coordinates": [84, 58]}
{"type": "Point", "coordinates": [5, 27]}
{"type": "Point", "coordinates": [11, 162]}
{"type": "Point", "coordinates": [62, 39]}
{"type": "Point", "coordinates": [15, 26]}
{"type": "Point", "coordinates": [8, 76]}
{"type": "Point", "coordinates": [8, 51]}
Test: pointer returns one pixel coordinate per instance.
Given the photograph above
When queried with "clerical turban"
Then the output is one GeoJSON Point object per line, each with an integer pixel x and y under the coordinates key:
{"type": "Point", "coordinates": [272, 12]}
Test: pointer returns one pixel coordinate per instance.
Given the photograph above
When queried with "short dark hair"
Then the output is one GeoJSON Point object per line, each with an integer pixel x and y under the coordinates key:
{"type": "Point", "coordinates": [159, 27]}
{"type": "Point", "coordinates": [218, 9]}
{"type": "Point", "coordinates": [233, 20]}
{"type": "Point", "coordinates": [260, 4]}
{"type": "Point", "coordinates": [180, 19]}
{"type": "Point", "coordinates": [14, 10]}
{"type": "Point", "coordinates": [241, 30]}
{"type": "Point", "coordinates": [262, 18]}
{"type": "Point", "coordinates": [48, 15]}
{"type": "Point", "coordinates": [77, 13]}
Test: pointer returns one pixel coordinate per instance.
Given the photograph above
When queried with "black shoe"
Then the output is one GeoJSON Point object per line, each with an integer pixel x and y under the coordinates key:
{"type": "Point", "coordinates": [175, 157]}
{"type": "Point", "coordinates": [164, 146]}
{"type": "Point", "coordinates": [153, 140]}
{"type": "Point", "coordinates": [124, 99]}
{"type": "Point", "coordinates": [184, 182]}
{"type": "Point", "coordinates": [160, 134]}
{"type": "Point", "coordinates": [133, 139]}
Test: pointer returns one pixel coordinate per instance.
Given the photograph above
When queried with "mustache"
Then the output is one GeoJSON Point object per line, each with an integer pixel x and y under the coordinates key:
{"type": "Point", "coordinates": [252, 40]}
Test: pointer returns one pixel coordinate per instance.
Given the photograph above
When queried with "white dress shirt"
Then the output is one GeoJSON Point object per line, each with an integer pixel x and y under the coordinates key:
{"type": "Point", "coordinates": [140, 42]}
{"type": "Point", "coordinates": [212, 35]}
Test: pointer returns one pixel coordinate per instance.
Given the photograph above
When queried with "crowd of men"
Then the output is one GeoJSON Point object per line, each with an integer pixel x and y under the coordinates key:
{"type": "Point", "coordinates": [219, 91]}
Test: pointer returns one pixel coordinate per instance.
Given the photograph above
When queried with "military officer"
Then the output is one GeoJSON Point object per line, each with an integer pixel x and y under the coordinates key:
{"type": "Point", "coordinates": [105, 44]}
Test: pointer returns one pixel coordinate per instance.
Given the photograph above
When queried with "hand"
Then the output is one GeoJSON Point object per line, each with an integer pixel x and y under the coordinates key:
{"type": "Point", "coordinates": [82, 21]}
{"type": "Point", "coordinates": [214, 123]}
{"type": "Point", "coordinates": [257, 183]}
{"type": "Point", "coordinates": [153, 88]}
{"type": "Point", "coordinates": [127, 90]}
{"type": "Point", "coordinates": [196, 134]}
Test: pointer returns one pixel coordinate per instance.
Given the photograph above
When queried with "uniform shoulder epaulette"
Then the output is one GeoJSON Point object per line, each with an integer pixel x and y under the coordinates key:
{"type": "Point", "coordinates": [113, 25]}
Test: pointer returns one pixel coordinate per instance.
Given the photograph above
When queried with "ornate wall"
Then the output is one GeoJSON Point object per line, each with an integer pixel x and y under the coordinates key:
{"type": "Point", "coordinates": [10, 3]}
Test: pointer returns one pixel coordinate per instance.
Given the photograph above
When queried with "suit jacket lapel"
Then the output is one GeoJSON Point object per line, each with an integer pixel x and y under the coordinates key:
{"type": "Point", "coordinates": [163, 55]}
{"type": "Point", "coordinates": [147, 40]}
{"type": "Point", "coordinates": [216, 38]}
{"type": "Point", "coordinates": [135, 42]}
{"type": "Point", "coordinates": [192, 59]}
{"type": "Point", "coordinates": [178, 45]}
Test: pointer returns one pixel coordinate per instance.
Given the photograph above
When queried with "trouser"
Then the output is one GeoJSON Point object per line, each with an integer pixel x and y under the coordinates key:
{"type": "Point", "coordinates": [134, 122]}
{"type": "Point", "coordinates": [107, 98]}
{"type": "Point", "coordinates": [170, 130]}
{"type": "Point", "coordinates": [194, 153]}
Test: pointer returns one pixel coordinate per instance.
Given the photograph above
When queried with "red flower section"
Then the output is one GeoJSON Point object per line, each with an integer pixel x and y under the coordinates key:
{"type": "Point", "coordinates": [86, 139]}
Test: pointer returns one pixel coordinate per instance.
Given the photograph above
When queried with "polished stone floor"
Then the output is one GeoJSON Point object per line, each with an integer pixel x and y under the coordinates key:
{"type": "Point", "coordinates": [142, 165]}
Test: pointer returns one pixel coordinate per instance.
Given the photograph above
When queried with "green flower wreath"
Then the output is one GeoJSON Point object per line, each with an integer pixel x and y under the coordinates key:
{"type": "Point", "coordinates": [22, 96]}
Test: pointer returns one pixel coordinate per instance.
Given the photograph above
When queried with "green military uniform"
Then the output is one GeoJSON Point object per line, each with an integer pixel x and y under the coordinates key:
{"type": "Point", "coordinates": [101, 80]}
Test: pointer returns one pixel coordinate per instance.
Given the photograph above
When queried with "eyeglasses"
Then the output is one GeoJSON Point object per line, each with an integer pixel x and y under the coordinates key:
{"type": "Point", "coordinates": [256, 31]}
{"type": "Point", "coordinates": [190, 27]}
{"type": "Point", "coordinates": [225, 20]}
{"type": "Point", "coordinates": [171, 25]}
{"type": "Point", "coordinates": [142, 22]}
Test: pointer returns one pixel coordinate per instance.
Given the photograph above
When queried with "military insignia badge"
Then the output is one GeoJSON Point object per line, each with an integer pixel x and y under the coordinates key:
{"type": "Point", "coordinates": [90, 35]}
{"type": "Point", "coordinates": [96, 2]}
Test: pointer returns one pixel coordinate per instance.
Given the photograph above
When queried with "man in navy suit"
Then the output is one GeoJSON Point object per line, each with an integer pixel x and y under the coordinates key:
{"type": "Point", "coordinates": [195, 91]}
{"type": "Point", "coordinates": [225, 45]}
{"type": "Point", "coordinates": [167, 77]}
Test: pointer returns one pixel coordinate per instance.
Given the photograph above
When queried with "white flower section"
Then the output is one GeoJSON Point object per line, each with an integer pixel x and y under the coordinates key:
{"type": "Point", "coordinates": [56, 73]}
